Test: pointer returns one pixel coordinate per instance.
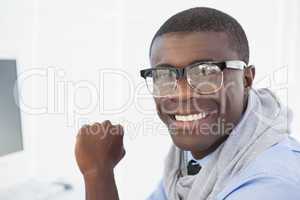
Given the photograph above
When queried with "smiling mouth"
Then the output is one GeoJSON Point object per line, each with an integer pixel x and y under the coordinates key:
{"type": "Point", "coordinates": [191, 117]}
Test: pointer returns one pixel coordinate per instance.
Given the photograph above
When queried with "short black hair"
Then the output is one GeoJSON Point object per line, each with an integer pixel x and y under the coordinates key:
{"type": "Point", "coordinates": [200, 19]}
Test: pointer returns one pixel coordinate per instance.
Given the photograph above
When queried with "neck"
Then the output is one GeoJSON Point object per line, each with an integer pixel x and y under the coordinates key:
{"type": "Point", "coordinates": [201, 154]}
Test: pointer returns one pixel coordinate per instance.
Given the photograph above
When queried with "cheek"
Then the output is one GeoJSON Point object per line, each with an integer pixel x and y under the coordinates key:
{"type": "Point", "coordinates": [232, 98]}
{"type": "Point", "coordinates": [159, 112]}
{"type": "Point", "coordinates": [157, 106]}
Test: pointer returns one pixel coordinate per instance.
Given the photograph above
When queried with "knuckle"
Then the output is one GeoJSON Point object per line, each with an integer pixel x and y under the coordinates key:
{"type": "Point", "coordinates": [85, 126]}
{"type": "Point", "coordinates": [83, 129]}
{"type": "Point", "coordinates": [123, 153]}
{"type": "Point", "coordinates": [95, 129]}
{"type": "Point", "coordinates": [97, 124]}
{"type": "Point", "coordinates": [106, 122]}
{"type": "Point", "coordinates": [120, 129]}
{"type": "Point", "coordinates": [119, 126]}
{"type": "Point", "coordinates": [116, 130]}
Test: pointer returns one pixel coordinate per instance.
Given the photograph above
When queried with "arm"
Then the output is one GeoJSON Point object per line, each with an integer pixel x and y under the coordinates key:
{"type": "Point", "coordinates": [98, 149]}
{"type": "Point", "coordinates": [101, 186]}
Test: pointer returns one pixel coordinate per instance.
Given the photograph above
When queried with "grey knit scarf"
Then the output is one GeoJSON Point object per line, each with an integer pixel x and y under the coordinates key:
{"type": "Point", "coordinates": [263, 124]}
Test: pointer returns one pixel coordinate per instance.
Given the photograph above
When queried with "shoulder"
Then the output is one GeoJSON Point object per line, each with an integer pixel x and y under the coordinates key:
{"type": "Point", "coordinates": [274, 174]}
{"type": "Point", "coordinates": [158, 193]}
{"type": "Point", "coordinates": [282, 159]}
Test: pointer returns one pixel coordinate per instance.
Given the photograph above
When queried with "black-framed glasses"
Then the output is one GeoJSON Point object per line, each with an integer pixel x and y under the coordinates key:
{"type": "Point", "coordinates": [205, 77]}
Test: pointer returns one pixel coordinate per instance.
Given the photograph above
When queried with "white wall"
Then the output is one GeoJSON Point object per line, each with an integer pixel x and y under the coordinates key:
{"type": "Point", "coordinates": [79, 38]}
{"type": "Point", "coordinates": [16, 42]}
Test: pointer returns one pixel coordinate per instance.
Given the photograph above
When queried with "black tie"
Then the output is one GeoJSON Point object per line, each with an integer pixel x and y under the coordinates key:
{"type": "Point", "coordinates": [193, 167]}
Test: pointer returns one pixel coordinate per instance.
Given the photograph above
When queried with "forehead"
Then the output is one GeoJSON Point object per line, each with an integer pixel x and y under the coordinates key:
{"type": "Point", "coordinates": [180, 49]}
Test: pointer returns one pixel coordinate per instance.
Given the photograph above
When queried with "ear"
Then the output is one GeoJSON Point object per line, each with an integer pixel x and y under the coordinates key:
{"type": "Point", "coordinates": [249, 74]}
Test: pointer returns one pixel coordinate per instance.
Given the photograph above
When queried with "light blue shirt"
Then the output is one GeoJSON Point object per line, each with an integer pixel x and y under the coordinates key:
{"type": "Point", "coordinates": [201, 162]}
{"type": "Point", "coordinates": [274, 175]}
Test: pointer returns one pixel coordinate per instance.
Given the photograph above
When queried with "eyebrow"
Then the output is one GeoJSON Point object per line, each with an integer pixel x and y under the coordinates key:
{"type": "Point", "coordinates": [191, 63]}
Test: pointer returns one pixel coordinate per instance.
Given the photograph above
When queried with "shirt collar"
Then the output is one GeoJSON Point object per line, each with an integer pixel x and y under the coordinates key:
{"type": "Point", "coordinates": [201, 161]}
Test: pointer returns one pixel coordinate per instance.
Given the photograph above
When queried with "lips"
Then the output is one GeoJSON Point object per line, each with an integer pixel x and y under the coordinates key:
{"type": "Point", "coordinates": [190, 121]}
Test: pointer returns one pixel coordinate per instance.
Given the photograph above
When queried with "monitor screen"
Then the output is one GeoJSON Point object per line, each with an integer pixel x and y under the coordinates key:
{"type": "Point", "coordinates": [10, 119]}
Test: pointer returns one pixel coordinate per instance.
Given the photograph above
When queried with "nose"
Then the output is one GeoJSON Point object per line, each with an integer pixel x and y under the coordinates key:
{"type": "Point", "coordinates": [183, 90]}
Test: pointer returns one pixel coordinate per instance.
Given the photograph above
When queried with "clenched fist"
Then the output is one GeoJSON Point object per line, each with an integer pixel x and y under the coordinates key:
{"type": "Point", "coordinates": [99, 147]}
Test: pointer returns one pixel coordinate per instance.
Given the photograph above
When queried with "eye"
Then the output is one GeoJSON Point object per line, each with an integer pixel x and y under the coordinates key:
{"type": "Point", "coordinates": [204, 70]}
{"type": "Point", "coordinates": [205, 78]}
{"type": "Point", "coordinates": [211, 69]}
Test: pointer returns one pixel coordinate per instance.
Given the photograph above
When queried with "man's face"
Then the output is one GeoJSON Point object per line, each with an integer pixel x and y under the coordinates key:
{"type": "Point", "coordinates": [223, 109]}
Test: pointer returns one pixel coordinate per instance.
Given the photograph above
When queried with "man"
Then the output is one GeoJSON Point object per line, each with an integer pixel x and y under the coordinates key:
{"type": "Point", "coordinates": [230, 141]}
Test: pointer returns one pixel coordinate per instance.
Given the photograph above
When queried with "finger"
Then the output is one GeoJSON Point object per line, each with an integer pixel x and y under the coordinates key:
{"type": "Point", "coordinates": [106, 123]}
{"type": "Point", "coordinates": [96, 124]}
{"type": "Point", "coordinates": [120, 130]}
{"type": "Point", "coordinates": [105, 127]}
{"type": "Point", "coordinates": [119, 136]}
{"type": "Point", "coordinates": [95, 129]}
{"type": "Point", "coordinates": [123, 153]}
{"type": "Point", "coordinates": [116, 130]}
{"type": "Point", "coordinates": [83, 130]}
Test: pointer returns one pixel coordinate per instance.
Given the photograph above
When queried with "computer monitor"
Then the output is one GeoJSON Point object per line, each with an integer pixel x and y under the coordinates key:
{"type": "Point", "coordinates": [13, 159]}
{"type": "Point", "coordinates": [11, 140]}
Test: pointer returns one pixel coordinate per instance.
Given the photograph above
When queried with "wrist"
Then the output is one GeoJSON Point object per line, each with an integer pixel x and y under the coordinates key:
{"type": "Point", "coordinates": [101, 185]}
{"type": "Point", "coordinates": [98, 173]}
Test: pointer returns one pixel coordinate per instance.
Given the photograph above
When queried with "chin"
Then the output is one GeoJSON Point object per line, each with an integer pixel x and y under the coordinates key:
{"type": "Point", "coordinates": [194, 143]}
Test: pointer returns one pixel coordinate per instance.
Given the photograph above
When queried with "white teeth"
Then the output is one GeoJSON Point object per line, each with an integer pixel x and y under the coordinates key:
{"type": "Point", "coordinates": [190, 117]}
